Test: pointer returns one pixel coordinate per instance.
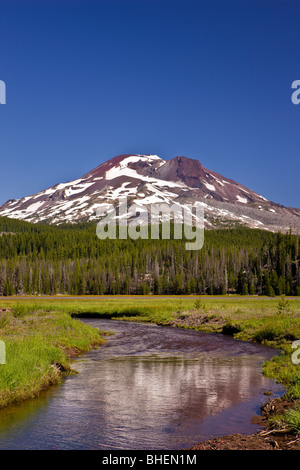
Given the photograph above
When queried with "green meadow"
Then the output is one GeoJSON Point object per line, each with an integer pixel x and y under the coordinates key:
{"type": "Point", "coordinates": [39, 342]}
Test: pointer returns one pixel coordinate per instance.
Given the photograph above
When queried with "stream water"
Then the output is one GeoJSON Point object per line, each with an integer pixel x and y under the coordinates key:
{"type": "Point", "coordinates": [149, 387]}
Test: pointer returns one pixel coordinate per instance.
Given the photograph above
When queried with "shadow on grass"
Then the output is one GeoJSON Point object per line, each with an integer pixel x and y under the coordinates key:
{"type": "Point", "coordinates": [130, 312]}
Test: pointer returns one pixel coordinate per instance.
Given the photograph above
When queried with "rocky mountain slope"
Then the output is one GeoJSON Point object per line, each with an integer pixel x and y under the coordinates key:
{"type": "Point", "coordinates": [148, 179]}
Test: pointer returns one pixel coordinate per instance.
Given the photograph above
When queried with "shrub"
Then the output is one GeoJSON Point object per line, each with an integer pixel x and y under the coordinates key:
{"type": "Point", "coordinates": [292, 418]}
{"type": "Point", "coordinates": [268, 333]}
{"type": "Point", "coordinates": [19, 311]}
{"type": "Point", "coordinates": [199, 305]}
{"type": "Point", "coordinates": [283, 306]}
{"type": "Point", "coordinates": [231, 328]}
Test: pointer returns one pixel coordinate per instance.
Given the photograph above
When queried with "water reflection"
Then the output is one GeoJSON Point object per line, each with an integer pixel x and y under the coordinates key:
{"type": "Point", "coordinates": [148, 388]}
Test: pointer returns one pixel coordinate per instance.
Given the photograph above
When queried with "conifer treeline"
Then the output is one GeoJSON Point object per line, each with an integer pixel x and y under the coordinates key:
{"type": "Point", "coordinates": [42, 259]}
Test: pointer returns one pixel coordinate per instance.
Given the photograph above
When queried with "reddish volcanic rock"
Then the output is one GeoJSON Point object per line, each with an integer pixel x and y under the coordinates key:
{"type": "Point", "coordinates": [148, 179]}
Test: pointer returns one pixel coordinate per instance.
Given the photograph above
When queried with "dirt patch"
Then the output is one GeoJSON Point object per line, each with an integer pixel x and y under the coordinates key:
{"type": "Point", "coordinates": [72, 352]}
{"type": "Point", "coordinates": [253, 442]}
{"type": "Point", "coordinates": [267, 439]}
{"type": "Point", "coordinates": [214, 321]}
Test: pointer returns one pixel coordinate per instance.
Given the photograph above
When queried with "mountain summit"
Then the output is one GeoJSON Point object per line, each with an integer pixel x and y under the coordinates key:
{"type": "Point", "coordinates": [148, 179]}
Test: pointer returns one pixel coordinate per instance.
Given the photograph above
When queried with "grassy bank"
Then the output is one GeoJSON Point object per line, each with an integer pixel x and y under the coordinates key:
{"type": "Point", "coordinates": [38, 346]}
{"type": "Point", "coordinates": [267, 320]}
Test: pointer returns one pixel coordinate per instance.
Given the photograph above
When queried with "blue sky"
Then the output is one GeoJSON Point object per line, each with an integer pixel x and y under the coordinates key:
{"type": "Point", "coordinates": [211, 80]}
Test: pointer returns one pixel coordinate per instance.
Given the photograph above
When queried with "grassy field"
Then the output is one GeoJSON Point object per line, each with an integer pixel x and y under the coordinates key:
{"type": "Point", "coordinates": [38, 347]}
{"type": "Point", "coordinates": [39, 331]}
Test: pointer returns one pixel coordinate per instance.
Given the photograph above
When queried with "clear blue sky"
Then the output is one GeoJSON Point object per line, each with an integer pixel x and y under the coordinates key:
{"type": "Point", "coordinates": [88, 80]}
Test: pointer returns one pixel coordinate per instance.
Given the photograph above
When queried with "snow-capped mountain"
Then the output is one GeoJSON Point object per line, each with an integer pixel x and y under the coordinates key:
{"type": "Point", "coordinates": [148, 179]}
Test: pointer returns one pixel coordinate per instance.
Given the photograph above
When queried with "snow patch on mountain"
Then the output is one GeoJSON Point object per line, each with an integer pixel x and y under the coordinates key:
{"type": "Point", "coordinates": [145, 180]}
{"type": "Point", "coordinates": [242, 199]}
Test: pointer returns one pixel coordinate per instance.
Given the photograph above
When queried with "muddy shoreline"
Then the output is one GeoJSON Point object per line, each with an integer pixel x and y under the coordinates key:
{"type": "Point", "coordinates": [269, 438]}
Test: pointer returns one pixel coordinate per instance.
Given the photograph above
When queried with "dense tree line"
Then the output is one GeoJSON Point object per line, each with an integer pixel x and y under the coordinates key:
{"type": "Point", "coordinates": [70, 259]}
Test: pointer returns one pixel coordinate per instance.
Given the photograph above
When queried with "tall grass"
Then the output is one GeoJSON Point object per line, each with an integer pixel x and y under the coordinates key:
{"type": "Point", "coordinates": [38, 344]}
{"type": "Point", "coordinates": [292, 418]}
